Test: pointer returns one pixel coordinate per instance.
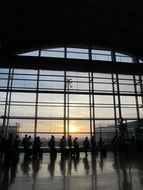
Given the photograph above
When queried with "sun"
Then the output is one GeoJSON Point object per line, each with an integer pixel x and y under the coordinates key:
{"type": "Point", "coordinates": [72, 128]}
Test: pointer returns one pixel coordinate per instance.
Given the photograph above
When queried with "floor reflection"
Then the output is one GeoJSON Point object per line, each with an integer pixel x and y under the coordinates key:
{"type": "Point", "coordinates": [51, 166]}
{"type": "Point", "coordinates": [86, 166]}
{"type": "Point", "coordinates": [7, 176]}
{"type": "Point", "coordinates": [123, 171]}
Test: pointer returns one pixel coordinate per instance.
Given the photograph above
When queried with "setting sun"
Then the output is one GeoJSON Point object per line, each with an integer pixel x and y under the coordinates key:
{"type": "Point", "coordinates": [72, 128]}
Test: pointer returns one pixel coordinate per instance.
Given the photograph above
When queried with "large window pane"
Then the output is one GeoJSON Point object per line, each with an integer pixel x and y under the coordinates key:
{"type": "Point", "coordinates": [103, 55]}
{"type": "Point", "coordinates": [53, 52]}
{"type": "Point", "coordinates": [50, 105]}
{"type": "Point", "coordinates": [123, 58]}
{"type": "Point", "coordinates": [22, 104]}
{"type": "Point", "coordinates": [128, 106]}
{"type": "Point", "coordinates": [77, 53]}
{"type": "Point", "coordinates": [79, 106]}
{"type": "Point", "coordinates": [4, 73]}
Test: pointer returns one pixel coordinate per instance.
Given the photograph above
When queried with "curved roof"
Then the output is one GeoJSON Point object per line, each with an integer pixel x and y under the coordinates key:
{"type": "Point", "coordinates": [26, 25]}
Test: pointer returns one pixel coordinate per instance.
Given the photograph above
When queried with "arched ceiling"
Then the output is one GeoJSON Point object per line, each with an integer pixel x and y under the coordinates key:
{"type": "Point", "coordinates": [32, 24]}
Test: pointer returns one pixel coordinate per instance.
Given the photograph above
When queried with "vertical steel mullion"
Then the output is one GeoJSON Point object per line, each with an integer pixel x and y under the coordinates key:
{"type": "Point", "coordinates": [113, 57]}
{"type": "Point", "coordinates": [119, 100]}
{"type": "Point", "coordinates": [136, 98]}
{"type": "Point", "coordinates": [93, 102]}
{"type": "Point", "coordinates": [65, 76]}
{"type": "Point", "coordinates": [141, 88]}
{"type": "Point", "coordinates": [114, 102]}
{"type": "Point", "coordinates": [90, 111]}
{"type": "Point", "coordinates": [92, 107]}
{"type": "Point", "coordinates": [6, 101]}
{"type": "Point", "coordinates": [37, 97]}
{"type": "Point", "coordinates": [36, 104]}
{"type": "Point", "coordinates": [67, 110]}
{"type": "Point", "coordinates": [65, 103]}
{"type": "Point", "coordinates": [9, 101]}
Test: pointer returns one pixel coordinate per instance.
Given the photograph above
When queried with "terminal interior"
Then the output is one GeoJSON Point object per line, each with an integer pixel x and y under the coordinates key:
{"type": "Point", "coordinates": [71, 68]}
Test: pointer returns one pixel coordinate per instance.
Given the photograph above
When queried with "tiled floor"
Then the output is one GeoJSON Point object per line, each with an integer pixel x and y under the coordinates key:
{"type": "Point", "coordinates": [123, 171]}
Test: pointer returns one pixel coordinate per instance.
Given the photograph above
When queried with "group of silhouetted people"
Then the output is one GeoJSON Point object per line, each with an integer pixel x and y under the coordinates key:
{"type": "Point", "coordinates": [70, 147]}
{"type": "Point", "coordinates": [9, 147]}
{"type": "Point", "coordinates": [119, 143]}
{"type": "Point", "coordinates": [32, 149]}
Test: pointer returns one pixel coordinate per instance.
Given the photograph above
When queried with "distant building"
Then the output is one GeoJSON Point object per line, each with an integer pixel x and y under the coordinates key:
{"type": "Point", "coordinates": [13, 129]}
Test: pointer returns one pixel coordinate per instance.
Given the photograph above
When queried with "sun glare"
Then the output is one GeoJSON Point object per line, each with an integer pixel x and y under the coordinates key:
{"type": "Point", "coordinates": [72, 128]}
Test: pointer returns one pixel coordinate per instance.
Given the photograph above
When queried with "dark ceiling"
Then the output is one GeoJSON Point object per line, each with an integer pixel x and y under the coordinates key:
{"type": "Point", "coordinates": [32, 24]}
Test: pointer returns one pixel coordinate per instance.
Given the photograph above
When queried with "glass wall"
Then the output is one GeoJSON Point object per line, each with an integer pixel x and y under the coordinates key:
{"type": "Point", "coordinates": [62, 103]}
{"type": "Point", "coordinates": [91, 53]}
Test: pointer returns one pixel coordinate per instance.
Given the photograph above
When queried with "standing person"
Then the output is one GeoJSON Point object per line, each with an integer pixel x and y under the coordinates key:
{"type": "Point", "coordinates": [3, 143]}
{"type": "Point", "coordinates": [16, 144]}
{"type": "Point", "coordinates": [10, 151]}
{"type": "Point", "coordinates": [100, 145]}
{"type": "Point", "coordinates": [36, 147]}
{"type": "Point", "coordinates": [63, 145]}
{"type": "Point", "coordinates": [76, 147]}
{"type": "Point", "coordinates": [114, 143]}
{"type": "Point", "coordinates": [86, 146]}
{"type": "Point", "coordinates": [93, 145]}
{"type": "Point", "coordinates": [70, 145]}
{"type": "Point", "coordinates": [26, 142]}
{"type": "Point", "coordinates": [51, 144]}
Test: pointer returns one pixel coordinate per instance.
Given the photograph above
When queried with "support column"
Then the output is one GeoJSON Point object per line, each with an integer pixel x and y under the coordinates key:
{"type": "Point", "coordinates": [6, 102]}
{"type": "Point", "coordinates": [93, 103]}
{"type": "Point", "coordinates": [136, 60]}
{"type": "Point", "coordinates": [113, 57]}
{"type": "Point", "coordinates": [90, 105]}
{"type": "Point", "coordinates": [37, 97]}
{"type": "Point", "coordinates": [9, 98]}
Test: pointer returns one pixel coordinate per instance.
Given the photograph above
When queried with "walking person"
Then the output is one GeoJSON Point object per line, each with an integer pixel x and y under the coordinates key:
{"type": "Point", "coordinates": [70, 145]}
{"type": "Point", "coordinates": [51, 144]}
{"type": "Point", "coordinates": [76, 147]}
{"type": "Point", "coordinates": [86, 146]}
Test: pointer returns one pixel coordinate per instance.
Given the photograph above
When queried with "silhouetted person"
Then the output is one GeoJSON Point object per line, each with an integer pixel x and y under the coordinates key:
{"type": "Point", "coordinates": [121, 143]}
{"type": "Point", "coordinates": [51, 144]}
{"type": "Point", "coordinates": [16, 144]}
{"type": "Point", "coordinates": [93, 145]}
{"type": "Point", "coordinates": [100, 145]}
{"type": "Point", "coordinates": [36, 147]}
{"type": "Point", "coordinates": [10, 157]}
{"type": "Point", "coordinates": [114, 143]}
{"type": "Point", "coordinates": [86, 146]}
{"type": "Point", "coordinates": [3, 143]}
{"type": "Point", "coordinates": [76, 147]}
{"type": "Point", "coordinates": [62, 145]}
{"type": "Point", "coordinates": [70, 145]}
{"type": "Point", "coordinates": [26, 142]}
